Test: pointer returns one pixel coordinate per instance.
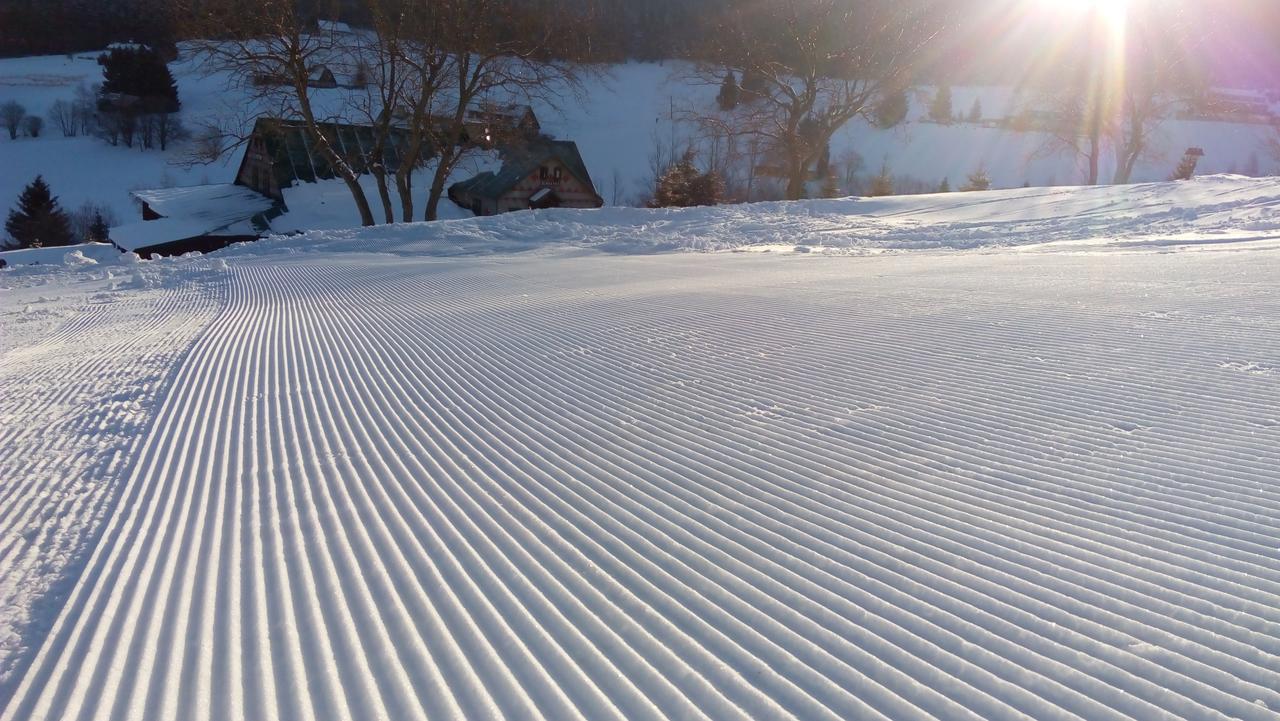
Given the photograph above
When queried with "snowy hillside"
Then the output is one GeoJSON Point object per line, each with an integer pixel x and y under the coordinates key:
{"type": "Point", "coordinates": [480, 469]}
{"type": "Point", "coordinates": [616, 122]}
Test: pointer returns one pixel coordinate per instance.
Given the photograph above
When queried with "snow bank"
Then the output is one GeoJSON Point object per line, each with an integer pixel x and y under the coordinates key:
{"type": "Point", "coordinates": [94, 252]}
{"type": "Point", "coordinates": [1206, 210]}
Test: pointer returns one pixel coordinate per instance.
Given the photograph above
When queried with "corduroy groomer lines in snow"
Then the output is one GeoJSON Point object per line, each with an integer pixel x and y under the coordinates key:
{"type": "Point", "coordinates": [71, 409]}
{"type": "Point", "coordinates": [698, 487]}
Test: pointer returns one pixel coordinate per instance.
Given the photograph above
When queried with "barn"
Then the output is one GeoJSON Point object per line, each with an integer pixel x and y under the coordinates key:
{"type": "Point", "coordinates": [280, 153]}
{"type": "Point", "coordinates": [539, 174]}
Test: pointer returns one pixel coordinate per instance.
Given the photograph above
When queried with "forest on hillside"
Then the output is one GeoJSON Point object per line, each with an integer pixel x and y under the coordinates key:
{"type": "Point", "coordinates": [980, 42]}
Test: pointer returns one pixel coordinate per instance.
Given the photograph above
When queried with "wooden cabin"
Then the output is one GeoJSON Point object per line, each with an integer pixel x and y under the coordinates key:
{"type": "Point", "coordinates": [496, 124]}
{"type": "Point", "coordinates": [321, 77]}
{"type": "Point", "coordinates": [539, 174]}
{"type": "Point", "coordinates": [281, 153]}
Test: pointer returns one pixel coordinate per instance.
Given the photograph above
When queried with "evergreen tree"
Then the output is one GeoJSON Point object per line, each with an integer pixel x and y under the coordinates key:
{"type": "Point", "coordinates": [892, 109]}
{"type": "Point", "coordinates": [683, 186]}
{"type": "Point", "coordinates": [1186, 169]}
{"type": "Point", "coordinates": [882, 184]}
{"type": "Point", "coordinates": [978, 180]}
{"type": "Point", "coordinates": [729, 94]}
{"type": "Point", "coordinates": [38, 221]}
{"type": "Point", "coordinates": [945, 186]}
{"type": "Point", "coordinates": [707, 189]}
{"type": "Point", "coordinates": [753, 86]}
{"type": "Point", "coordinates": [140, 73]}
{"type": "Point", "coordinates": [99, 232]}
{"type": "Point", "coordinates": [940, 109]}
{"type": "Point", "coordinates": [975, 112]}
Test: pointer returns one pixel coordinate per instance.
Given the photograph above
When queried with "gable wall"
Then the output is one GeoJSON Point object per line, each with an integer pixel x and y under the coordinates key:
{"type": "Point", "coordinates": [572, 192]}
{"type": "Point", "coordinates": [257, 171]}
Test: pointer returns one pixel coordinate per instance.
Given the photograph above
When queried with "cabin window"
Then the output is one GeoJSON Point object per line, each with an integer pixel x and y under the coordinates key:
{"type": "Point", "coordinates": [557, 174]}
{"type": "Point", "coordinates": [543, 172]}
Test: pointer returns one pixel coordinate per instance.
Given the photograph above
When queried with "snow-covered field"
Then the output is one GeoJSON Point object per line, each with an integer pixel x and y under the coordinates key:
{"type": "Point", "coordinates": [455, 471]}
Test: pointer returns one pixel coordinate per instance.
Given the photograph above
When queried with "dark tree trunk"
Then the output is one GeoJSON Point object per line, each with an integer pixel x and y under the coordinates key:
{"type": "Point", "coordinates": [384, 194]}
{"type": "Point", "coordinates": [404, 187]}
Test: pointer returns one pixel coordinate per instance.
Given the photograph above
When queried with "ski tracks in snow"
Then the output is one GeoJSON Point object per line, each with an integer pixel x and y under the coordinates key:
{"type": "Point", "coordinates": [74, 403]}
{"type": "Point", "coordinates": [687, 487]}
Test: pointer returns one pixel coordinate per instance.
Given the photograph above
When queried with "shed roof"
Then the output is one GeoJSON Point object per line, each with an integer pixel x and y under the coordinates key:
{"type": "Point", "coordinates": [189, 213]}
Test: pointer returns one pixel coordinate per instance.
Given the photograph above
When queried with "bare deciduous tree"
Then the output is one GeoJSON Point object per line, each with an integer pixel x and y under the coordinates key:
{"type": "Point", "coordinates": [1158, 78]}
{"type": "Point", "coordinates": [808, 69]}
{"type": "Point", "coordinates": [496, 51]}
{"type": "Point", "coordinates": [271, 48]}
{"type": "Point", "coordinates": [11, 115]}
{"type": "Point", "coordinates": [1117, 96]}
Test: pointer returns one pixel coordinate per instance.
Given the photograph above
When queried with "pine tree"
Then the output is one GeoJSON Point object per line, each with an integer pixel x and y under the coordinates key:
{"type": "Point", "coordinates": [99, 232]}
{"type": "Point", "coordinates": [975, 112]}
{"type": "Point", "coordinates": [38, 221]}
{"type": "Point", "coordinates": [707, 189]}
{"type": "Point", "coordinates": [882, 184]}
{"type": "Point", "coordinates": [945, 187]}
{"type": "Point", "coordinates": [140, 73]}
{"type": "Point", "coordinates": [940, 108]}
{"type": "Point", "coordinates": [1186, 169]}
{"type": "Point", "coordinates": [892, 109]}
{"type": "Point", "coordinates": [729, 94]}
{"type": "Point", "coordinates": [682, 186]}
{"type": "Point", "coordinates": [978, 180]}
{"type": "Point", "coordinates": [753, 86]}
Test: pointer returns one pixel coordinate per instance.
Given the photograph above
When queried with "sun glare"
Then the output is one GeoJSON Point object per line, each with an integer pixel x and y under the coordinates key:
{"type": "Point", "coordinates": [1112, 14]}
{"type": "Point", "coordinates": [1105, 26]}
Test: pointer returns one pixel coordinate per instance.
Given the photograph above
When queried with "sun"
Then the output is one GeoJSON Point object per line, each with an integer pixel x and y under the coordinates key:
{"type": "Point", "coordinates": [1111, 14]}
{"type": "Point", "coordinates": [1105, 23]}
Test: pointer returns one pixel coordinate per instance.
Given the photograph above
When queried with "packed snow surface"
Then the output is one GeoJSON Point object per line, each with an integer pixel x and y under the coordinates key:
{"type": "Point", "coordinates": [337, 477]}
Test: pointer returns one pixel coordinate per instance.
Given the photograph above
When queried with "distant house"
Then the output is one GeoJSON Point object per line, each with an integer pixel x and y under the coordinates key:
{"type": "Point", "coordinates": [281, 153]}
{"type": "Point", "coordinates": [491, 123]}
{"type": "Point", "coordinates": [540, 174]}
{"type": "Point", "coordinates": [1242, 106]}
{"type": "Point", "coordinates": [201, 218]}
{"type": "Point", "coordinates": [321, 76]}
{"type": "Point", "coordinates": [333, 27]}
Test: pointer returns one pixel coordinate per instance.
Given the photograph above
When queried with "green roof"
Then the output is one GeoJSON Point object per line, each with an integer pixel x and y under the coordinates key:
{"type": "Point", "coordinates": [520, 162]}
{"type": "Point", "coordinates": [295, 158]}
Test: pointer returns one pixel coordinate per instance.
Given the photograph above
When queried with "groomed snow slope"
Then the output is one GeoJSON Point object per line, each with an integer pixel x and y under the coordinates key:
{"type": "Point", "coordinates": [565, 484]}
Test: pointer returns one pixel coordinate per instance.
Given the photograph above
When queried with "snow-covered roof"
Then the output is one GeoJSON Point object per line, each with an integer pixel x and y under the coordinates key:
{"type": "Point", "coordinates": [190, 212]}
{"type": "Point", "coordinates": [214, 201]}
{"type": "Point", "coordinates": [330, 26]}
